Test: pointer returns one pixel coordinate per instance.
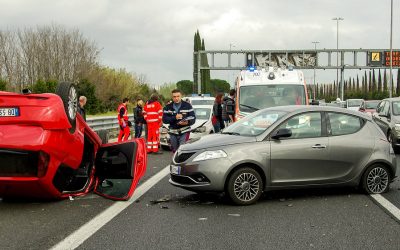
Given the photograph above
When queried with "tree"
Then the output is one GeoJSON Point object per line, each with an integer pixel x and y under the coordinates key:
{"type": "Point", "coordinates": [87, 89]}
{"type": "Point", "coordinates": [379, 81]}
{"type": "Point", "coordinates": [185, 86]}
{"type": "Point", "coordinates": [3, 85]}
{"type": "Point", "coordinates": [166, 89]}
{"type": "Point", "coordinates": [218, 86]}
{"type": "Point", "coordinates": [398, 83]}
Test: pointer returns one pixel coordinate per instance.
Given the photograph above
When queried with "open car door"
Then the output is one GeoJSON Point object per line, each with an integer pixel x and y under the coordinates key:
{"type": "Point", "coordinates": [119, 167]}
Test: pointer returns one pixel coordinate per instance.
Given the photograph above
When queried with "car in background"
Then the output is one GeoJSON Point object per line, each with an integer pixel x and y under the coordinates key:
{"type": "Point", "coordinates": [287, 147]}
{"type": "Point", "coordinates": [48, 151]}
{"type": "Point", "coordinates": [199, 100]}
{"type": "Point", "coordinates": [201, 127]}
{"type": "Point", "coordinates": [387, 116]}
{"type": "Point", "coordinates": [369, 106]}
{"type": "Point", "coordinates": [354, 104]}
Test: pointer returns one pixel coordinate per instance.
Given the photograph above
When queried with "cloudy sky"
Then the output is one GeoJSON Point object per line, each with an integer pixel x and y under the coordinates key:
{"type": "Point", "coordinates": [155, 38]}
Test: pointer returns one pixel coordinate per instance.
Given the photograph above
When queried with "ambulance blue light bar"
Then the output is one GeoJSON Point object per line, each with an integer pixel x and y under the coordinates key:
{"type": "Point", "coordinates": [251, 68]}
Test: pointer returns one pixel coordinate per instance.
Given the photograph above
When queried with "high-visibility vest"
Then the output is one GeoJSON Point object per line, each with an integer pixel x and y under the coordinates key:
{"type": "Point", "coordinates": [153, 112]}
{"type": "Point", "coordinates": [125, 117]}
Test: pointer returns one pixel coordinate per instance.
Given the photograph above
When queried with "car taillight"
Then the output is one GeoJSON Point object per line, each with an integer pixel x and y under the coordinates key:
{"type": "Point", "coordinates": [43, 163]}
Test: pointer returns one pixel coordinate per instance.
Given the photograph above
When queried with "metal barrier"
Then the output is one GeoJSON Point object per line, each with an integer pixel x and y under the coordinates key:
{"type": "Point", "coordinates": [104, 122]}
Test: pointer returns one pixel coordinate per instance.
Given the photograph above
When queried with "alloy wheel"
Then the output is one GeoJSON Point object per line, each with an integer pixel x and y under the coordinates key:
{"type": "Point", "coordinates": [246, 187]}
{"type": "Point", "coordinates": [377, 180]}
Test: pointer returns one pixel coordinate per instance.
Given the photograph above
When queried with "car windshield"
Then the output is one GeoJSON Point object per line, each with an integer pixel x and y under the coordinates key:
{"type": "Point", "coordinates": [257, 97]}
{"type": "Point", "coordinates": [202, 102]}
{"type": "Point", "coordinates": [396, 107]}
{"type": "Point", "coordinates": [254, 124]}
{"type": "Point", "coordinates": [354, 103]}
{"type": "Point", "coordinates": [202, 113]}
{"type": "Point", "coordinates": [371, 105]}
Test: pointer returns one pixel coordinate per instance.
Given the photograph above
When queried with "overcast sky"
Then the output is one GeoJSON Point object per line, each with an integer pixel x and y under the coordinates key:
{"type": "Point", "coordinates": [155, 38]}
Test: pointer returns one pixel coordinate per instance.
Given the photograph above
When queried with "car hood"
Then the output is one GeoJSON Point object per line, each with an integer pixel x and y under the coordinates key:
{"type": "Point", "coordinates": [215, 140]}
{"type": "Point", "coordinates": [198, 123]}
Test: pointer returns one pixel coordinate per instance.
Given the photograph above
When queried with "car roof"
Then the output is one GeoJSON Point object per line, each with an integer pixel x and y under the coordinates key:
{"type": "Point", "coordinates": [199, 98]}
{"type": "Point", "coordinates": [301, 108]}
{"type": "Point", "coordinates": [392, 99]}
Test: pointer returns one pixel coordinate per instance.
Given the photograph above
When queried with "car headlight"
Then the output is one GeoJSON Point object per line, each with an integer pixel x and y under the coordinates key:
{"type": "Point", "coordinates": [397, 127]}
{"type": "Point", "coordinates": [200, 130]}
{"type": "Point", "coordinates": [208, 155]}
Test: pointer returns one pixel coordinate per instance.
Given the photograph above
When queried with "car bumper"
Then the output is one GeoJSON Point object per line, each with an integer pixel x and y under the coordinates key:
{"type": "Point", "coordinates": [21, 174]}
{"type": "Point", "coordinates": [208, 175]}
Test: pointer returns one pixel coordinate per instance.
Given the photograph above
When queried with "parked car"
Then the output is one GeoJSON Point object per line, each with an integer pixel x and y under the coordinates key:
{"type": "Point", "coordinates": [354, 104]}
{"type": "Point", "coordinates": [387, 116]}
{"type": "Point", "coordinates": [48, 151]}
{"type": "Point", "coordinates": [287, 147]}
{"type": "Point", "coordinates": [201, 127]}
{"type": "Point", "coordinates": [369, 106]}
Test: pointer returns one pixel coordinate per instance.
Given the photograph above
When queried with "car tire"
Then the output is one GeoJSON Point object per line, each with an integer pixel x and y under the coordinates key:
{"type": "Point", "coordinates": [376, 179]}
{"type": "Point", "coordinates": [103, 134]}
{"type": "Point", "coordinates": [244, 186]}
{"type": "Point", "coordinates": [69, 95]}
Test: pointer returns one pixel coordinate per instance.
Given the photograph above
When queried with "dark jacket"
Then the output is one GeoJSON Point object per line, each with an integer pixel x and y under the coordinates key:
{"type": "Point", "coordinates": [169, 117]}
{"type": "Point", "coordinates": [138, 115]}
{"type": "Point", "coordinates": [228, 107]}
{"type": "Point", "coordinates": [82, 112]}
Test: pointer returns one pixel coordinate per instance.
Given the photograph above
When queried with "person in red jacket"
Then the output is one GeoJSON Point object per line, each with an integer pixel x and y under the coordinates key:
{"type": "Point", "coordinates": [152, 113]}
{"type": "Point", "coordinates": [123, 120]}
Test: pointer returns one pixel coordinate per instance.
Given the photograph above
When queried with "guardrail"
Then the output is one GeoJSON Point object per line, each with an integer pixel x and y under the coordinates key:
{"type": "Point", "coordinates": [104, 122]}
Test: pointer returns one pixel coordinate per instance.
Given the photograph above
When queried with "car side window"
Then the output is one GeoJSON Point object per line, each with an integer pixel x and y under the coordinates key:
{"type": "Point", "coordinates": [385, 110]}
{"type": "Point", "coordinates": [380, 107]}
{"type": "Point", "coordinates": [306, 125]}
{"type": "Point", "coordinates": [343, 124]}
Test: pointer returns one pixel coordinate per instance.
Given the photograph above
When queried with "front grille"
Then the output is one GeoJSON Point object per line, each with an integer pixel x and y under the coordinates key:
{"type": "Point", "coordinates": [183, 157]}
{"type": "Point", "coordinates": [182, 179]}
{"type": "Point", "coordinates": [15, 163]}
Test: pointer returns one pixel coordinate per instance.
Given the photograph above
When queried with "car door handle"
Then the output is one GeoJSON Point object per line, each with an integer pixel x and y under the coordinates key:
{"type": "Point", "coordinates": [319, 146]}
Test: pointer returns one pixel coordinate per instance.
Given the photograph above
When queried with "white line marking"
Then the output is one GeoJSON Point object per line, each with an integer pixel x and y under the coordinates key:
{"type": "Point", "coordinates": [387, 205]}
{"type": "Point", "coordinates": [75, 239]}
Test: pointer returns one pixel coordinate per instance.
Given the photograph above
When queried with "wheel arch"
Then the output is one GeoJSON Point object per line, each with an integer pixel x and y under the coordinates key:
{"type": "Point", "coordinates": [252, 165]}
{"type": "Point", "coordinates": [381, 162]}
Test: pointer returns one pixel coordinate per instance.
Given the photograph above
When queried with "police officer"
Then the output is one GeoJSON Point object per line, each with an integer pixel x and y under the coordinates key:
{"type": "Point", "coordinates": [123, 120]}
{"type": "Point", "coordinates": [180, 116]}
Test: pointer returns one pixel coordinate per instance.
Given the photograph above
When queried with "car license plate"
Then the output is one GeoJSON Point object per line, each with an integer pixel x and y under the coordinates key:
{"type": "Point", "coordinates": [9, 112]}
{"type": "Point", "coordinates": [175, 169]}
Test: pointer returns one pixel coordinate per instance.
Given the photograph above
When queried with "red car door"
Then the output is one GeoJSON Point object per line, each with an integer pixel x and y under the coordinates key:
{"type": "Point", "coordinates": [119, 167]}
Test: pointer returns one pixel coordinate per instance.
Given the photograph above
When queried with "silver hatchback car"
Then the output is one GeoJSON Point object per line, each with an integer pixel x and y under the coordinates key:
{"type": "Point", "coordinates": [287, 147]}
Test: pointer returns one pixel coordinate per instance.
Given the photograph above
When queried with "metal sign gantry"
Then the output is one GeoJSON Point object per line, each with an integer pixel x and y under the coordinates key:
{"type": "Point", "coordinates": [299, 59]}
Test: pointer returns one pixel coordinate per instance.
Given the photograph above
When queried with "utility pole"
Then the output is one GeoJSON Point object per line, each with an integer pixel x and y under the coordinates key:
{"type": "Point", "coordinates": [315, 48]}
{"type": "Point", "coordinates": [337, 19]}
{"type": "Point", "coordinates": [391, 50]}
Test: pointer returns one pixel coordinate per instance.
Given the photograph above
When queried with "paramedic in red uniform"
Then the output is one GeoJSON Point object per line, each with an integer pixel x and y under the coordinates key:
{"type": "Point", "coordinates": [152, 113]}
{"type": "Point", "coordinates": [123, 120]}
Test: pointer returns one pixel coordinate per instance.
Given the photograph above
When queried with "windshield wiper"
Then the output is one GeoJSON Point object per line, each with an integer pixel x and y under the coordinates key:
{"type": "Point", "coordinates": [230, 133]}
{"type": "Point", "coordinates": [250, 107]}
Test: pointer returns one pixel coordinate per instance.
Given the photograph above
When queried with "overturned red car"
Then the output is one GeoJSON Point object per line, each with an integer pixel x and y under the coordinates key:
{"type": "Point", "coordinates": [48, 151]}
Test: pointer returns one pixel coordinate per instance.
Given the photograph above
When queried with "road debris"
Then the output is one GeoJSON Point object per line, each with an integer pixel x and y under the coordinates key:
{"type": "Point", "coordinates": [234, 215]}
{"type": "Point", "coordinates": [71, 198]}
{"type": "Point", "coordinates": [290, 205]}
{"type": "Point", "coordinates": [282, 199]}
{"type": "Point", "coordinates": [164, 207]}
{"type": "Point", "coordinates": [202, 218]}
{"type": "Point", "coordinates": [166, 198]}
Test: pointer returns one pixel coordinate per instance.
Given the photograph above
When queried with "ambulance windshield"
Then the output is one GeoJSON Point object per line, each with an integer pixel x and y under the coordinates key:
{"type": "Point", "coordinates": [257, 97]}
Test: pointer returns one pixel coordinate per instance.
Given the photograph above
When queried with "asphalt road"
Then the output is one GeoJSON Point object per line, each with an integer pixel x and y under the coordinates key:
{"type": "Point", "coordinates": [302, 219]}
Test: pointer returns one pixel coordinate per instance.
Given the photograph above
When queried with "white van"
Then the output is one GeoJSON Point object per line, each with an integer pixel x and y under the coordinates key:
{"type": "Point", "coordinates": [264, 88]}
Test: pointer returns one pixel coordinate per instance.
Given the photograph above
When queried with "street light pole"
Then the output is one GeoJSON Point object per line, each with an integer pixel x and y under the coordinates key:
{"type": "Point", "coordinates": [315, 48]}
{"type": "Point", "coordinates": [337, 19]}
{"type": "Point", "coordinates": [391, 50]}
{"type": "Point", "coordinates": [229, 63]}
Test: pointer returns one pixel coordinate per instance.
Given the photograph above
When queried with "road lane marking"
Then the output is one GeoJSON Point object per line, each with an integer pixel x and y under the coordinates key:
{"type": "Point", "coordinates": [392, 209]}
{"type": "Point", "coordinates": [75, 239]}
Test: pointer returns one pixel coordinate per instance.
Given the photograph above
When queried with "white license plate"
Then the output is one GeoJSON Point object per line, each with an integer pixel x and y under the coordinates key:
{"type": "Point", "coordinates": [175, 169]}
{"type": "Point", "coordinates": [9, 112]}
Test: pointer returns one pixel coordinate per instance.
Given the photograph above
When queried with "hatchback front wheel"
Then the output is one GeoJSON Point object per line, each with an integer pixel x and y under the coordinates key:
{"type": "Point", "coordinates": [376, 179]}
{"type": "Point", "coordinates": [245, 186]}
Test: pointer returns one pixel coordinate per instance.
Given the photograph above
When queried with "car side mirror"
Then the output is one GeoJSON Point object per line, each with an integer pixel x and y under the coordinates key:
{"type": "Point", "coordinates": [282, 132]}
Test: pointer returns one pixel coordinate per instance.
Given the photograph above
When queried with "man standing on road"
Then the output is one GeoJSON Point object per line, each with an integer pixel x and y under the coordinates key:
{"type": "Point", "coordinates": [180, 116]}
{"type": "Point", "coordinates": [153, 113]}
{"type": "Point", "coordinates": [123, 120]}
{"type": "Point", "coordinates": [81, 105]}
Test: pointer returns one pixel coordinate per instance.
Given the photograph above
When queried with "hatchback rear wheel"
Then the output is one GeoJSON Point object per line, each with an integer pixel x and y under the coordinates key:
{"type": "Point", "coordinates": [376, 179]}
{"type": "Point", "coordinates": [245, 186]}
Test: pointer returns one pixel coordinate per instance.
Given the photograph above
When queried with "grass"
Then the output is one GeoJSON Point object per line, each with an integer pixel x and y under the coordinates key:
{"type": "Point", "coordinates": [109, 113]}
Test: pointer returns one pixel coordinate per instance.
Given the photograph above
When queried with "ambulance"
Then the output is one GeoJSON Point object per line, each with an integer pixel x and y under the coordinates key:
{"type": "Point", "coordinates": [263, 88]}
